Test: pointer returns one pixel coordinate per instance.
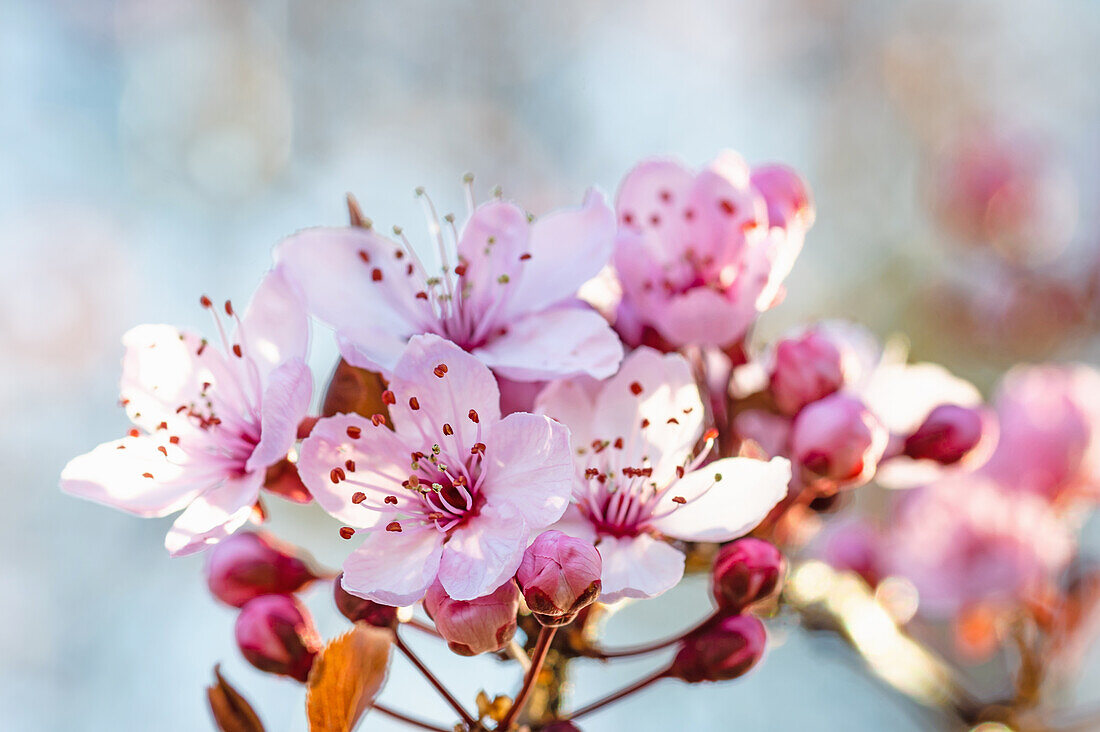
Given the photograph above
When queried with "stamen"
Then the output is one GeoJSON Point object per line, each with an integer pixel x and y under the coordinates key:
{"type": "Point", "coordinates": [346, 532]}
{"type": "Point", "coordinates": [388, 397]}
{"type": "Point", "coordinates": [635, 388]}
{"type": "Point", "coordinates": [354, 432]}
{"type": "Point", "coordinates": [473, 416]}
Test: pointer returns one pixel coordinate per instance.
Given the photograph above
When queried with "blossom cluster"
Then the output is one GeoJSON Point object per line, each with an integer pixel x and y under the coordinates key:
{"type": "Point", "coordinates": [554, 413]}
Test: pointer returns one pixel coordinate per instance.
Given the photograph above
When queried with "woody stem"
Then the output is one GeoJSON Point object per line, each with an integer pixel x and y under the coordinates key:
{"type": "Point", "coordinates": [431, 679]}
{"type": "Point", "coordinates": [538, 657]}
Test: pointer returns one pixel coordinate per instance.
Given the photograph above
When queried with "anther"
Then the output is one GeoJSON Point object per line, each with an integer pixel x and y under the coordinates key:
{"type": "Point", "coordinates": [336, 475]}
{"type": "Point", "coordinates": [350, 465]}
{"type": "Point", "coordinates": [133, 432]}
{"type": "Point", "coordinates": [364, 255]}
{"type": "Point", "coordinates": [711, 434]}
{"type": "Point", "coordinates": [354, 432]}
{"type": "Point", "coordinates": [525, 256]}
{"type": "Point", "coordinates": [237, 350]}
{"type": "Point", "coordinates": [229, 308]}
{"type": "Point", "coordinates": [435, 449]}
{"type": "Point", "coordinates": [673, 420]}
{"type": "Point", "coordinates": [205, 302]}
{"type": "Point", "coordinates": [635, 388]}
{"type": "Point", "coordinates": [440, 370]}
{"type": "Point", "coordinates": [147, 475]}
{"type": "Point", "coordinates": [377, 419]}
{"type": "Point", "coordinates": [679, 471]}
{"type": "Point", "coordinates": [473, 416]}
{"type": "Point", "coordinates": [645, 422]}
{"type": "Point", "coordinates": [376, 274]}
{"type": "Point", "coordinates": [460, 270]}
{"type": "Point", "coordinates": [174, 440]}
{"type": "Point", "coordinates": [391, 500]}
{"type": "Point", "coordinates": [388, 397]}
{"type": "Point", "coordinates": [358, 497]}
{"type": "Point", "coordinates": [162, 450]}
{"type": "Point", "coordinates": [447, 430]}
{"type": "Point", "coordinates": [346, 532]}
{"type": "Point", "coordinates": [717, 477]}
{"type": "Point", "coordinates": [503, 279]}
{"type": "Point", "coordinates": [679, 499]}
{"type": "Point", "coordinates": [393, 526]}
{"type": "Point", "coordinates": [414, 481]}
{"type": "Point", "coordinates": [478, 448]}
{"type": "Point", "coordinates": [618, 443]}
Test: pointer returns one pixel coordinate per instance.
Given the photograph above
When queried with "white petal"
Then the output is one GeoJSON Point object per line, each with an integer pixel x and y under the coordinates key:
{"type": "Point", "coordinates": [394, 567]}
{"type": "Point", "coordinates": [214, 515]}
{"type": "Point", "coordinates": [529, 466]}
{"type": "Point", "coordinates": [639, 567]}
{"type": "Point", "coordinates": [485, 552]}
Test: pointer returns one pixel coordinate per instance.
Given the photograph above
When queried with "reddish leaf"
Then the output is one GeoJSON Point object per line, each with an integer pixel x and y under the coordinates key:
{"type": "Point", "coordinates": [346, 677]}
{"type": "Point", "coordinates": [231, 712]}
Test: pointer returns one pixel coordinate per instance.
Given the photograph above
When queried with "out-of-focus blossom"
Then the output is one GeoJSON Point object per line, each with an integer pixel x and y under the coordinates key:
{"type": "Point", "coordinates": [481, 625]}
{"type": "Point", "coordinates": [806, 369]}
{"type": "Point", "coordinates": [208, 421]}
{"type": "Point", "coordinates": [851, 543]}
{"type": "Point", "coordinates": [699, 255]}
{"type": "Point", "coordinates": [250, 564]}
{"type": "Point", "coordinates": [947, 435]}
{"type": "Point", "coordinates": [837, 442]}
{"type": "Point", "coordinates": [358, 610]}
{"type": "Point", "coordinates": [746, 571]}
{"type": "Point", "coordinates": [559, 575]}
{"type": "Point", "coordinates": [720, 651]}
{"type": "Point", "coordinates": [1007, 192]}
{"type": "Point", "coordinates": [966, 539]}
{"type": "Point", "coordinates": [505, 292]}
{"type": "Point", "coordinates": [1049, 431]}
{"type": "Point", "coordinates": [275, 634]}
{"type": "Point", "coordinates": [637, 480]}
{"type": "Point", "coordinates": [453, 490]}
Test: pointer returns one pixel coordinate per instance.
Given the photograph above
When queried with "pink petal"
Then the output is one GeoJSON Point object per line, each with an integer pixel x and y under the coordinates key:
{"type": "Point", "coordinates": [394, 567]}
{"type": "Point", "coordinates": [115, 474]}
{"type": "Point", "coordinates": [574, 523]}
{"type": "Point", "coordinates": [214, 515]}
{"type": "Point", "coordinates": [703, 316]}
{"type": "Point", "coordinates": [582, 237]}
{"type": "Point", "coordinates": [902, 395]}
{"type": "Point", "coordinates": [571, 402]}
{"type": "Point", "coordinates": [467, 384]}
{"type": "Point", "coordinates": [555, 343]}
{"type": "Point", "coordinates": [653, 198]}
{"type": "Point", "coordinates": [352, 280]}
{"type": "Point", "coordinates": [726, 509]}
{"type": "Point", "coordinates": [491, 244]}
{"type": "Point", "coordinates": [381, 460]}
{"type": "Point", "coordinates": [658, 388]}
{"type": "Point", "coordinates": [788, 197]}
{"type": "Point", "coordinates": [285, 402]}
{"type": "Point", "coordinates": [529, 467]}
{"type": "Point", "coordinates": [484, 553]}
{"type": "Point", "coordinates": [638, 566]}
{"type": "Point", "coordinates": [275, 327]}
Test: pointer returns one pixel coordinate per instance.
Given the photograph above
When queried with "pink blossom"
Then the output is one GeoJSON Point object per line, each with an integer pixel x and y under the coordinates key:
{"type": "Point", "coordinates": [505, 291]}
{"type": "Point", "coordinates": [837, 442]}
{"type": "Point", "coordinates": [1050, 430]}
{"type": "Point", "coordinates": [697, 255]}
{"type": "Point", "coordinates": [966, 539]}
{"type": "Point", "coordinates": [452, 491]}
{"type": "Point", "coordinates": [637, 481]}
{"type": "Point", "coordinates": [208, 421]}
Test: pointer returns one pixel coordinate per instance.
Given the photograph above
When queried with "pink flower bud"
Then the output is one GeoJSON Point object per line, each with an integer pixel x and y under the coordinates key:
{"type": "Point", "coordinates": [806, 369]}
{"type": "Point", "coordinates": [786, 194]}
{"type": "Point", "coordinates": [947, 435]}
{"type": "Point", "coordinates": [276, 634]}
{"type": "Point", "coordinates": [746, 571]}
{"type": "Point", "coordinates": [720, 651]}
{"type": "Point", "coordinates": [359, 610]}
{"type": "Point", "coordinates": [247, 565]}
{"type": "Point", "coordinates": [559, 575]}
{"type": "Point", "coordinates": [837, 442]}
{"type": "Point", "coordinates": [476, 626]}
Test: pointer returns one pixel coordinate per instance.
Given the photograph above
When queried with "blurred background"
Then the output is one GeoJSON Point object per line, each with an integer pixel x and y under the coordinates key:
{"type": "Point", "coordinates": [155, 150]}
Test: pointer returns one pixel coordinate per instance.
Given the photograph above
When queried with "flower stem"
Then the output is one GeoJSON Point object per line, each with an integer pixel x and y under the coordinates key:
{"type": "Point", "coordinates": [648, 647]}
{"type": "Point", "coordinates": [430, 677]}
{"type": "Point", "coordinates": [422, 627]}
{"type": "Point", "coordinates": [621, 693]}
{"type": "Point", "coordinates": [408, 720]}
{"type": "Point", "coordinates": [538, 657]}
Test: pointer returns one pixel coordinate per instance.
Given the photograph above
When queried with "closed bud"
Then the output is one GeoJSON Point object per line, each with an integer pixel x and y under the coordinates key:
{"type": "Point", "coordinates": [559, 575]}
{"type": "Point", "coordinates": [806, 369]}
{"type": "Point", "coordinates": [358, 610]}
{"type": "Point", "coordinates": [837, 442]}
{"type": "Point", "coordinates": [947, 435]}
{"type": "Point", "coordinates": [276, 634]}
{"type": "Point", "coordinates": [746, 571]}
{"type": "Point", "coordinates": [476, 626]}
{"type": "Point", "coordinates": [720, 651]}
{"type": "Point", "coordinates": [247, 564]}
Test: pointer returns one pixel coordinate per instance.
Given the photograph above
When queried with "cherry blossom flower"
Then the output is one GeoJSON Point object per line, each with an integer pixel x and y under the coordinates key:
{"type": "Point", "coordinates": [505, 291]}
{"type": "Point", "coordinates": [452, 491]}
{"type": "Point", "coordinates": [208, 421]}
{"type": "Point", "coordinates": [700, 255]}
{"type": "Point", "coordinates": [637, 481]}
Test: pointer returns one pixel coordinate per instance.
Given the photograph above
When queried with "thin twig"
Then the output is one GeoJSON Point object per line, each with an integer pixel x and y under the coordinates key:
{"type": "Point", "coordinates": [436, 683]}
{"type": "Point", "coordinates": [422, 627]}
{"type": "Point", "coordinates": [407, 719]}
{"type": "Point", "coordinates": [648, 647]}
{"type": "Point", "coordinates": [538, 656]}
{"type": "Point", "coordinates": [600, 703]}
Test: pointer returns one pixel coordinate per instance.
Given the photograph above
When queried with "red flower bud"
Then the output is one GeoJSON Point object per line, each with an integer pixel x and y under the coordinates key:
{"type": "Point", "coordinates": [359, 610]}
{"type": "Point", "coordinates": [276, 634]}
{"type": "Point", "coordinates": [746, 571]}
{"type": "Point", "coordinates": [837, 442]}
{"type": "Point", "coordinates": [247, 565]}
{"type": "Point", "coordinates": [476, 626]}
{"type": "Point", "coordinates": [559, 575]}
{"type": "Point", "coordinates": [947, 435]}
{"type": "Point", "coordinates": [806, 369]}
{"type": "Point", "coordinates": [720, 651]}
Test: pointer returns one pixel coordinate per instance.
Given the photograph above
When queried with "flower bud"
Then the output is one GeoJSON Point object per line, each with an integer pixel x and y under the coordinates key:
{"type": "Point", "coordinates": [837, 442]}
{"type": "Point", "coordinates": [806, 369]}
{"type": "Point", "coordinates": [275, 634]}
{"type": "Point", "coordinates": [746, 571]}
{"type": "Point", "coordinates": [720, 651]}
{"type": "Point", "coordinates": [475, 626]}
{"type": "Point", "coordinates": [247, 564]}
{"type": "Point", "coordinates": [359, 610]}
{"type": "Point", "coordinates": [947, 435]}
{"type": "Point", "coordinates": [559, 575]}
